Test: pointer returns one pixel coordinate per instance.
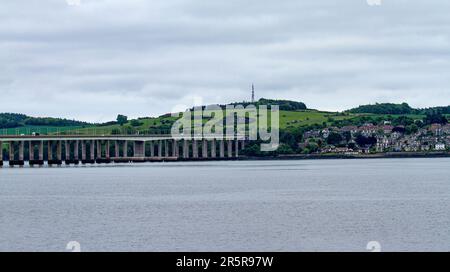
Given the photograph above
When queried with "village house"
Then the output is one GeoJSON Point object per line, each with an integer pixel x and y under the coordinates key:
{"type": "Point", "coordinates": [440, 147]}
{"type": "Point", "coordinates": [368, 129]}
{"type": "Point", "coordinates": [436, 129]}
{"type": "Point", "coordinates": [435, 137]}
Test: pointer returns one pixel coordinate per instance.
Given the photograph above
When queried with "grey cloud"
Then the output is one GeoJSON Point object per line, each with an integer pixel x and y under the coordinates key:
{"type": "Point", "coordinates": [142, 58]}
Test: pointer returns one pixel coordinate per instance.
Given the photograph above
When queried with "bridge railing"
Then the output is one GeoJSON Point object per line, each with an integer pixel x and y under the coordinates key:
{"type": "Point", "coordinates": [26, 131]}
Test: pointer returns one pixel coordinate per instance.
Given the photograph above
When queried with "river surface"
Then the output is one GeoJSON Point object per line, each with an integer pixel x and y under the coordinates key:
{"type": "Point", "coordinates": [317, 205]}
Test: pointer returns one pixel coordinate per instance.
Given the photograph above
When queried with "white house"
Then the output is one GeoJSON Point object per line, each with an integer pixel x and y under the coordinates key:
{"type": "Point", "coordinates": [439, 147]}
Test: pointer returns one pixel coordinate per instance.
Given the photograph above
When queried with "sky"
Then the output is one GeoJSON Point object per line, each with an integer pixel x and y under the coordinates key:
{"type": "Point", "coordinates": [95, 59]}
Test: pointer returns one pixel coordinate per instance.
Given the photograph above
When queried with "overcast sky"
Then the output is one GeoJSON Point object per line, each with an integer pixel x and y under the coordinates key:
{"type": "Point", "coordinates": [147, 57]}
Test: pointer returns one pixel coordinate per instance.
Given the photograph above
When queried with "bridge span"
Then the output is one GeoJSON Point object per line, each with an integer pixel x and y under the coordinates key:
{"type": "Point", "coordinates": [90, 149]}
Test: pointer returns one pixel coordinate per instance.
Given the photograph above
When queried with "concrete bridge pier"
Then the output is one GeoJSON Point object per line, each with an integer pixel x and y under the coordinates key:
{"type": "Point", "coordinates": [68, 159]}
{"type": "Point", "coordinates": [59, 151]}
{"type": "Point", "coordinates": [49, 151]}
{"type": "Point", "coordinates": [222, 149]}
{"type": "Point", "coordinates": [175, 149]}
{"type": "Point", "coordinates": [84, 158]}
{"type": "Point", "coordinates": [159, 149]}
{"type": "Point", "coordinates": [230, 149]}
{"type": "Point", "coordinates": [138, 151]}
{"type": "Point", "coordinates": [40, 161]}
{"type": "Point", "coordinates": [107, 150]}
{"type": "Point", "coordinates": [204, 149]}
{"type": "Point", "coordinates": [30, 151]}
{"type": "Point", "coordinates": [125, 149]}
{"type": "Point", "coordinates": [51, 159]}
{"type": "Point", "coordinates": [166, 148]}
{"type": "Point", "coordinates": [76, 150]}
{"type": "Point", "coordinates": [41, 151]}
{"type": "Point", "coordinates": [213, 148]}
{"type": "Point", "coordinates": [12, 152]}
{"type": "Point", "coordinates": [99, 150]}
{"type": "Point", "coordinates": [185, 149]}
{"type": "Point", "coordinates": [92, 152]}
{"type": "Point", "coordinates": [100, 158]}
{"type": "Point", "coordinates": [67, 152]}
{"type": "Point", "coordinates": [21, 150]}
{"type": "Point", "coordinates": [83, 151]}
{"type": "Point", "coordinates": [1, 153]}
{"type": "Point", "coordinates": [194, 149]}
{"type": "Point", "coordinates": [116, 150]}
{"type": "Point", "coordinates": [152, 149]}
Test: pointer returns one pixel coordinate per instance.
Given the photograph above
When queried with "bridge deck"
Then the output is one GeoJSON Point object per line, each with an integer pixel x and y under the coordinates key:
{"type": "Point", "coordinates": [144, 138]}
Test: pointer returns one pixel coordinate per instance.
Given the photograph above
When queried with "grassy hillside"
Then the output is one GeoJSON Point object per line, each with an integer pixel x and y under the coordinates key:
{"type": "Point", "coordinates": [28, 130]}
{"type": "Point", "coordinates": [289, 120]}
{"type": "Point", "coordinates": [293, 117]}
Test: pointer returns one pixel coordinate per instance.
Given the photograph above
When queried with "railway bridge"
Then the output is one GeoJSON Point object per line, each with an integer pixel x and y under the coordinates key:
{"type": "Point", "coordinates": [85, 149]}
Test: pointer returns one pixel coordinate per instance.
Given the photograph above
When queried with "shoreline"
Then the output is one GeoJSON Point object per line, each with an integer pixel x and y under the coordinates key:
{"type": "Point", "coordinates": [389, 155]}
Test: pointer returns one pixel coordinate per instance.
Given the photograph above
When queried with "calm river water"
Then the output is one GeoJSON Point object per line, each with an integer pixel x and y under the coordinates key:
{"type": "Point", "coordinates": [320, 205]}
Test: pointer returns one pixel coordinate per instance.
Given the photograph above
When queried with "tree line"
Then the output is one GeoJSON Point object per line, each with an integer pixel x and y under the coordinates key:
{"type": "Point", "coordinates": [15, 120]}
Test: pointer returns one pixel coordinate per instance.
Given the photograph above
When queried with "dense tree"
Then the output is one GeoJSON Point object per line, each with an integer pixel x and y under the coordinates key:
{"type": "Point", "coordinates": [363, 141]}
{"type": "Point", "coordinates": [399, 129]}
{"type": "Point", "coordinates": [285, 105]}
{"type": "Point", "coordinates": [136, 123]}
{"type": "Point", "coordinates": [13, 120]}
{"type": "Point", "coordinates": [435, 118]}
{"type": "Point", "coordinates": [122, 119]}
{"type": "Point", "coordinates": [384, 108]}
{"type": "Point", "coordinates": [411, 129]}
{"type": "Point", "coordinates": [334, 138]}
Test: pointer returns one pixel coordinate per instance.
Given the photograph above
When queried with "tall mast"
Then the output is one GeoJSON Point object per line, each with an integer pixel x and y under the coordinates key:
{"type": "Point", "coordinates": [253, 93]}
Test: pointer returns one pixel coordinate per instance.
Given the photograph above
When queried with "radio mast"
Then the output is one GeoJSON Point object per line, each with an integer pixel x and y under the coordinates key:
{"type": "Point", "coordinates": [253, 93]}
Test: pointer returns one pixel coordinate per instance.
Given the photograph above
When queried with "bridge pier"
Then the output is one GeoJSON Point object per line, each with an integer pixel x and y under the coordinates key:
{"type": "Point", "coordinates": [138, 151]}
{"type": "Point", "coordinates": [152, 149]}
{"type": "Point", "coordinates": [204, 149]}
{"type": "Point", "coordinates": [230, 148]}
{"type": "Point", "coordinates": [1, 153]}
{"type": "Point", "coordinates": [12, 158]}
{"type": "Point", "coordinates": [213, 148]}
{"type": "Point", "coordinates": [222, 149]}
{"type": "Point", "coordinates": [51, 159]}
{"type": "Point", "coordinates": [66, 149]}
{"type": "Point", "coordinates": [40, 160]}
{"type": "Point", "coordinates": [21, 150]}
{"type": "Point", "coordinates": [107, 155]}
{"type": "Point", "coordinates": [159, 149]}
{"type": "Point", "coordinates": [194, 149]}
{"type": "Point", "coordinates": [175, 149]}
{"type": "Point", "coordinates": [125, 149]}
{"type": "Point", "coordinates": [92, 152]}
{"type": "Point", "coordinates": [185, 149]}
{"type": "Point", "coordinates": [116, 149]}
{"type": "Point", "coordinates": [41, 151]}
{"type": "Point", "coordinates": [83, 151]}
{"type": "Point", "coordinates": [76, 150]}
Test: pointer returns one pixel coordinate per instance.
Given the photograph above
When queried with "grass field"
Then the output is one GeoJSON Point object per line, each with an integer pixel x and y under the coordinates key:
{"type": "Point", "coordinates": [28, 130]}
{"type": "Point", "coordinates": [161, 125]}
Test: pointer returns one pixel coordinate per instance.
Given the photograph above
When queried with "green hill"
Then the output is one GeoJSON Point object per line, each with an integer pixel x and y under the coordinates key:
{"type": "Point", "coordinates": [294, 118]}
{"type": "Point", "coordinates": [13, 123]}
